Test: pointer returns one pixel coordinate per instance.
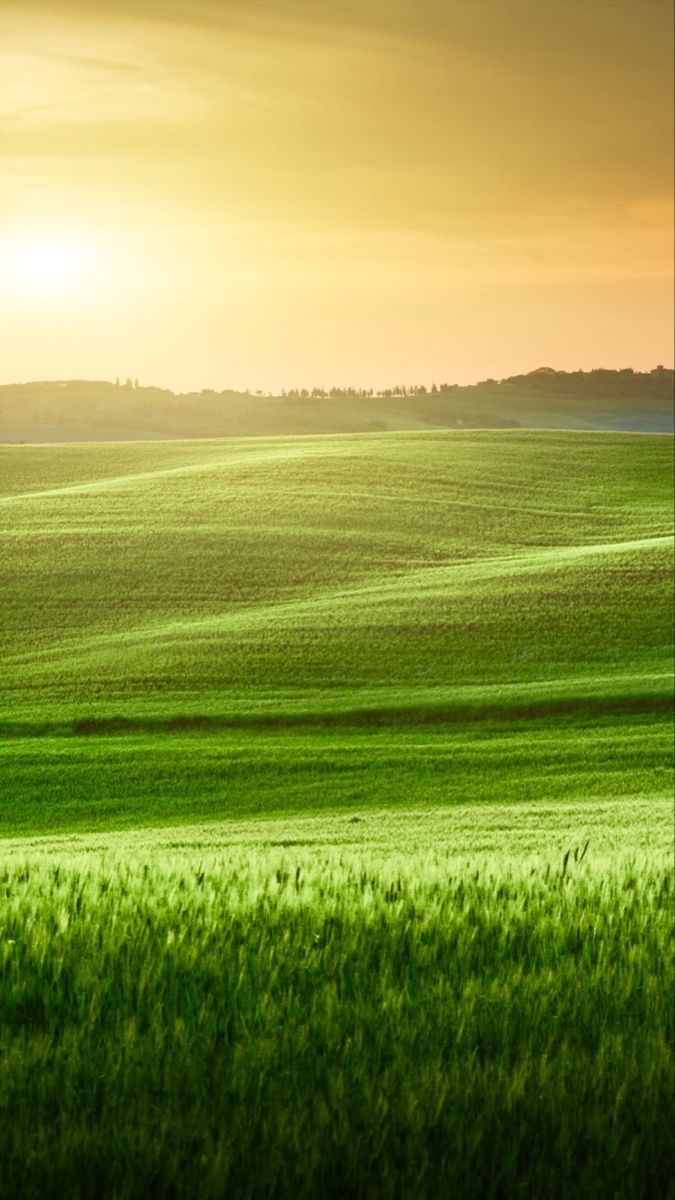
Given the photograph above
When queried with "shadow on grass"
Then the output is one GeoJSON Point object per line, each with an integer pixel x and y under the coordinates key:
{"type": "Point", "coordinates": [572, 708]}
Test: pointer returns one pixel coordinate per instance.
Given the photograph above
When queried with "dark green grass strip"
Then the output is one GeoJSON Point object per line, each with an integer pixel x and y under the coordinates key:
{"type": "Point", "coordinates": [586, 707]}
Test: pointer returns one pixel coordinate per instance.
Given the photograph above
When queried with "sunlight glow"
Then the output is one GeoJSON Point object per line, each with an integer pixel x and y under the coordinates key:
{"type": "Point", "coordinates": [31, 265]}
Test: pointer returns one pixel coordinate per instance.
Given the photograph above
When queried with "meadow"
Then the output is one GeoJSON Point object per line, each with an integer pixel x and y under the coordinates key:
{"type": "Point", "coordinates": [337, 816]}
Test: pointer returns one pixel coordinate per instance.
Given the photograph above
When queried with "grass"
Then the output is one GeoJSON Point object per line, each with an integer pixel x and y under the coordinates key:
{"type": "Point", "coordinates": [306, 1020]}
{"type": "Point", "coordinates": [337, 817]}
{"type": "Point", "coordinates": [290, 603]}
{"type": "Point", "coordinates": [313, 1027]}
{"type": "Point", "coordinates": [116, 781]}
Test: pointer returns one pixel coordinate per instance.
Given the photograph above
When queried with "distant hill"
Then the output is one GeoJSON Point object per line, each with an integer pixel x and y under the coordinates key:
{"type": "Point", "coordinates": [82, 410]}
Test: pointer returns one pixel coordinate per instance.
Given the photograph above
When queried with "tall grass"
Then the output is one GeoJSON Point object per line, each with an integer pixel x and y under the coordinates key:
{"type": "Point", "coordinates": [212, 1024]}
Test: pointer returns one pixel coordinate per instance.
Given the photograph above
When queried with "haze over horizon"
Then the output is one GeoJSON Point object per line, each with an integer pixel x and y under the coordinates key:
{"type": "Point", "coordinates": [278, 194]}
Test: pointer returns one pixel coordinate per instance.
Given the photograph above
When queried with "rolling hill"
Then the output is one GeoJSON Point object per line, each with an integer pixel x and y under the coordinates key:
{"type": "Point", "coordinates": [204, 629]}
{"type": "Point", "coordinates": [80, 410]}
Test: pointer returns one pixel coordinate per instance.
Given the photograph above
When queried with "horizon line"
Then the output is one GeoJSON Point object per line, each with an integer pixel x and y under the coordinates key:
{"type": "Point", "coordinates": [133, 384]}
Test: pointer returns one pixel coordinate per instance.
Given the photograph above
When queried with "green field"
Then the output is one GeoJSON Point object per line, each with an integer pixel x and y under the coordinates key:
{"type": "Point", "coordinates": [337, 816]}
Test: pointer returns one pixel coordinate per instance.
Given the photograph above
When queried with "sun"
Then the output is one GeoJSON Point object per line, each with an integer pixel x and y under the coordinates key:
{"type": "Point", "coordinates": [51, 263]}
{"type": "Point", "coordinates": [45, 264]}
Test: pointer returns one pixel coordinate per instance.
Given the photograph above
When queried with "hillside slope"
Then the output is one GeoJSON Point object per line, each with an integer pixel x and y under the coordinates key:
{"type": "Point", "coordinates": [194, 629]}
{"type": "Point", "coordinates": [96, 411]}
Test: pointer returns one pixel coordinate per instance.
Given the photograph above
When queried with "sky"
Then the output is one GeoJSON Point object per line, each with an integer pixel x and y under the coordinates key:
{"type": "Point", "coordinates": [279, 193]}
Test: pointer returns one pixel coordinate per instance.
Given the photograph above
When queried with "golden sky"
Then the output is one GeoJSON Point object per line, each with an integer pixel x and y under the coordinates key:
{"type": "Point", "coordinates": [268, 193]}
